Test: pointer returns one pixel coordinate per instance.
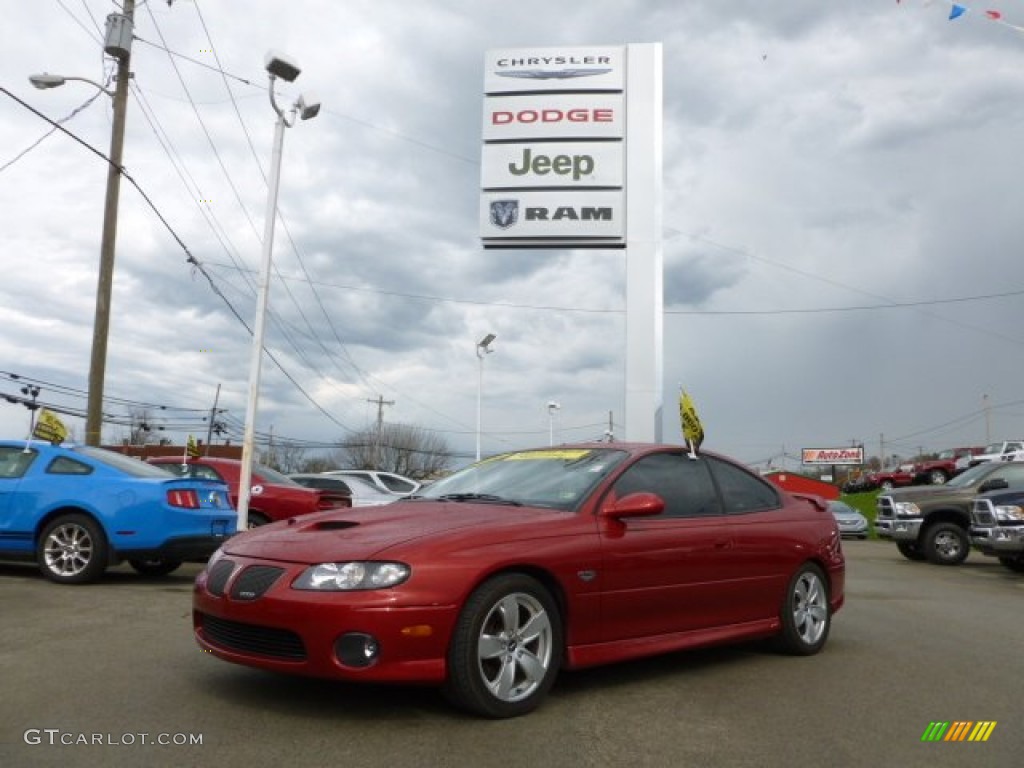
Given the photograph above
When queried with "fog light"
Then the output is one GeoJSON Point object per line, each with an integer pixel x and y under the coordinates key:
{"type": "Point", "coordinates": [356, 649]}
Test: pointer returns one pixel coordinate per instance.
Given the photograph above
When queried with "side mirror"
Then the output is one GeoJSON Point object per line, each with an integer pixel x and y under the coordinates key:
{"type": "Point", "coordinates": [995, 484]}
{"type": "Point", "coordinates": [635, 505]}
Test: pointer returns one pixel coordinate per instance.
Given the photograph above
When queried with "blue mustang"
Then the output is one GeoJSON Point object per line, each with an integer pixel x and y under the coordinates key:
{"type": "Point", "coordinates": [76, 509]}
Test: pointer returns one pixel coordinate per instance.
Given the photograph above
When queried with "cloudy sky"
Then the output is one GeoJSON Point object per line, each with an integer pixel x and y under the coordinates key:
{"type": "Point", "coordinates": [842, 237]}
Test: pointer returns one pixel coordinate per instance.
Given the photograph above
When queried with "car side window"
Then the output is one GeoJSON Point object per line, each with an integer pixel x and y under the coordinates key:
{"type": "Point", "coordinates": [1011, 472]}
{"type": "Point", "coordinates": [684, 484]}
{"type": "Point", "coordinates": [62, 465]}
{"type": "Point", "coordinates": [741, 490]}
{"type": "Point", "coordinates": [14, 462]}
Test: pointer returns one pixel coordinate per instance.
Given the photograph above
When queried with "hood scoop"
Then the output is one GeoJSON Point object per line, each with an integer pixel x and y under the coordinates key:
{"type": "Point", "coordinates": [334, 525]}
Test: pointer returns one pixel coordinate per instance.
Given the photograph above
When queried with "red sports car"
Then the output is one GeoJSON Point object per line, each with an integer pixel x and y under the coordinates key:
{"type": "Point", "coordinates": [489, 581]}
{"type": "Point", "coordinates": [274, 496]}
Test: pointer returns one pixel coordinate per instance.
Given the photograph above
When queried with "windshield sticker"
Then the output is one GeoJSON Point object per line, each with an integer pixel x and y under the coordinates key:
{"type": "Point", "coordinates": [566, 455]}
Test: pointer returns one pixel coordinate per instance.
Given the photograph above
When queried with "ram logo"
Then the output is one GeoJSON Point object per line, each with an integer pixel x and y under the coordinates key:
{"type": "Point", "coordinates": [504, 213]}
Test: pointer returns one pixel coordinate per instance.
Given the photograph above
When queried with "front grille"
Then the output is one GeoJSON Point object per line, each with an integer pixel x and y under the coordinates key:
{"type": "Point", "coordinates": [983, 513]}
{"type": "Point", "coordinates": [250, 638]}
{"type": "Point", "coordinates": [218, 578]}
{"type": "Point", "coordinates": [885, 506]}
{"type": "Point", "coordinates": [254, 581]}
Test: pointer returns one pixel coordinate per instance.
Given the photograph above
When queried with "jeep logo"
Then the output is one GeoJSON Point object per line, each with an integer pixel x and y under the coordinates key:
{"type": "Point", "coordinates": [576, 166]}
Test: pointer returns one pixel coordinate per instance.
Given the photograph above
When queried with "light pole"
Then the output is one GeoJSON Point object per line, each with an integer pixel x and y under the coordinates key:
{"type": "Point", "coordinates": [117, 44]}
{"type": "Point", "coordinates": [277, 65]}
{"type": "Point", "coordinates": [553, 407]}
{"type": "Point", "coordinates": [483, 347]}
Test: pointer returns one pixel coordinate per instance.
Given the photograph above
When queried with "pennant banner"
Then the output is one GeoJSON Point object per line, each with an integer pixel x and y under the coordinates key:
{"type": "Point", "coordinates": [50, 428]}
{"type": "Point", "coordinates": [192, 447]}
{"type": "Point", "coordinates": [693, 431]}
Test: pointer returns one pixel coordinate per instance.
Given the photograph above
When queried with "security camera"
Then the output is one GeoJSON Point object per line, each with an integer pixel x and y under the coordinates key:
{"type": "Point", "coordinates": [308, 106]}
{"type": "Point", "coordinates": [281, 66]}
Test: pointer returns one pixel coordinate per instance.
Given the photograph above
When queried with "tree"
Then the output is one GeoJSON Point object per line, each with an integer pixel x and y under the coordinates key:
{"type": "Point", "coordinates": [284, 457]}
{"type": "Point", "coordinates": [399, 448]}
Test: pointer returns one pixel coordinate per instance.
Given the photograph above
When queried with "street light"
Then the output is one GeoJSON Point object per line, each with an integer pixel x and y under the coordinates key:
{"type": "Point", "coordinates": [278, 66]}
{"type": "Point", "coordinates": [483, 347]}
{"type": "Point", "coordinates": [117, 44]}
{"type": "Point", "coordinates": [552, 408]}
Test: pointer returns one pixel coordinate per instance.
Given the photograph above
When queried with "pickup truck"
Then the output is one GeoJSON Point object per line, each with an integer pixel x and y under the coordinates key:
{"type": "Point", "coordinates": [933, 522]}
{"type": "Point", "coordinates": [1007, 450]}
{"type": "Point", "coordinates": [938, 470]}
{"type": "Point", "coordinates": [997, 527]}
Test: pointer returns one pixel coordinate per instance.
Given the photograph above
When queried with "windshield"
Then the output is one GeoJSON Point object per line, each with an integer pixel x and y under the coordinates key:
{"type": "Point", "coordinates": [272, 475]}
{"type": "Point", "coordinates": [559, 478]}
{"type": "Point", "coordinates": [972, 476]}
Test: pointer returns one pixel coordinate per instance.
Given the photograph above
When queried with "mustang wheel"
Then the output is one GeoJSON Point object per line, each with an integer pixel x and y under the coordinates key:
{"type": "Point", "coordinates": [806, 613]}
{"type": "Point", "coordinates": [72, 550]}
{"type": "Point", "coordinates": [910, 551]}
{"type": "Point", "coordinates": [155, 566]}
{"type": "Point", "coordinates": [946, 544]}
{"type": "Point", "coordinates": [506, 648]}
{"type": "Point", "coordinates": [937, 477]}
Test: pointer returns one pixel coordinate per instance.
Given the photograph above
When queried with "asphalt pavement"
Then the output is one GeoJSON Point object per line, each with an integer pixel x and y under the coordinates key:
{"type": "Point", "coordinates": [108, 675]}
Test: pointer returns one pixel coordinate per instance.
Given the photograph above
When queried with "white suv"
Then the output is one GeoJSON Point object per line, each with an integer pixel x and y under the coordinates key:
{"type": "Point", "coordinates": [389, 482]}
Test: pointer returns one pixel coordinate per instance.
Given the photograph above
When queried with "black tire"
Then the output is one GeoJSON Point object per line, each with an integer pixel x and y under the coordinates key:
{"type": "Point", "coordinates": [946, 543]}
{"type": "Point", "coordinates": [887, 485]}
{"type": "Point", "coordinates": [806, 613]}
{"type": "Point", "coordinates": [72, 550]}
{"type": "Point", "coordinates": [256, 519]}
{"type": "Point", "coordinates": [911, 551]}
{"type": "Point", "coordinates": [937, 477]}
{"type": "Point", "coordinates": [1015, 564]}
{"type": "Point", "coordinates": [506, 648]}
{"type": "Point", "coordinates": [155, 566]}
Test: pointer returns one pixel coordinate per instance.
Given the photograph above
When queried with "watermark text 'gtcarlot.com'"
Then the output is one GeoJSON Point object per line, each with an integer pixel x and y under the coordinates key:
{"type": "Point", "coordinates": [57, 737]}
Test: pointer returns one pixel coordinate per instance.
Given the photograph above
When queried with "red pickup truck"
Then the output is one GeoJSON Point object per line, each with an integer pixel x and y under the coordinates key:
{"type": "Point", "coordinates": [938, 470]}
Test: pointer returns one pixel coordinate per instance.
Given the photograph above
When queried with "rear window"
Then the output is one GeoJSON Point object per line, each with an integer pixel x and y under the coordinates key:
{"type": "Point", "coordinates": [118, 461]}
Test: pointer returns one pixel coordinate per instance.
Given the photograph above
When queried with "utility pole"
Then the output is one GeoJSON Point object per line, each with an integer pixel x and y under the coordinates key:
{"type": "Point", "coordinates": [381, 402]}
{"type": "Point", "coordinates": [118, 45]}
{"type": "Point", "coordinates": [213, 418]}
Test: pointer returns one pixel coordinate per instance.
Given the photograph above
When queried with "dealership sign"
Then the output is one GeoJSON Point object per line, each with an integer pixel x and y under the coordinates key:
{"type": "Point", "coordinates": [553, 167]}
{"type": "Point", "coordinates": [833, 455]}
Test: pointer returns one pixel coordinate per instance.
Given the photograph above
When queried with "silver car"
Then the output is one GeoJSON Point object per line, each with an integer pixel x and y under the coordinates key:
{"type": "Point", "coordinates": [851, 522]}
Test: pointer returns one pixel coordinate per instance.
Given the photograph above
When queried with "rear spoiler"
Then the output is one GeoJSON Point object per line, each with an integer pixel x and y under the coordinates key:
{"type": "Point", "coordinates": [818, 501]}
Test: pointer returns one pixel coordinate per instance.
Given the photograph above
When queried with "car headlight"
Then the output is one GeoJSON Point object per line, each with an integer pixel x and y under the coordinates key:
{"type": "Point", "coordinates": [344, 577]}
{"type": "Point", "coordinates": [906, 509]}
{"type": "Point", "coordinates": [1010, 514]}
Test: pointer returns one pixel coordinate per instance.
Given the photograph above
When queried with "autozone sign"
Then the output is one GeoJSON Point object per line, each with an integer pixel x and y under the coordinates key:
{"type": "Point", "coordinates": [553, 163]}
{"type": "Point", "coordinates": [833, 455]}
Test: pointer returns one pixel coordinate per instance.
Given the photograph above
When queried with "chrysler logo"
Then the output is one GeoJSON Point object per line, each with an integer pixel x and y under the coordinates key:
{"type": "Point", "coordinates": [554, 74]}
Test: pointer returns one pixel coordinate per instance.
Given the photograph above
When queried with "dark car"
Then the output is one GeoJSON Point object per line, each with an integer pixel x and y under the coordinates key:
{"type": "Point", "coordinates": [273, 496]}
{"type": "Point", "coordinates": [75, 510]}
{"type": "Point", "coordinates": [489, 581]}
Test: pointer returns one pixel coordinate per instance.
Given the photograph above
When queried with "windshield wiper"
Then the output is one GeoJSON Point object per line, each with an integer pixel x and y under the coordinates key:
{"type": "Point", "coordinates": [486, 497]}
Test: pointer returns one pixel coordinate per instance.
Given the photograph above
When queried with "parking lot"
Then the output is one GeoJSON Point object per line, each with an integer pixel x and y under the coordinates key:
{"type": "Point", "coordinates": [109, 675]}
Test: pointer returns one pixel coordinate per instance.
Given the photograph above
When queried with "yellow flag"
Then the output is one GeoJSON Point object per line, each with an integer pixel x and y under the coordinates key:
{"type": "Point", "coordinates": [692, 429]}
{"type": "Point", "coordinates": [49, 427]}
{"type": "Point", "coordinates": [192, 447]}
